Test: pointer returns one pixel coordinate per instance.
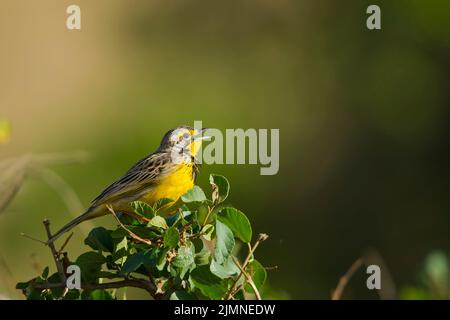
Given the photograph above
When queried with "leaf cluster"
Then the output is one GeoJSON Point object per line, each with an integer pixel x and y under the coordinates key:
{"type": "Point", "coordinates": [190, 254]}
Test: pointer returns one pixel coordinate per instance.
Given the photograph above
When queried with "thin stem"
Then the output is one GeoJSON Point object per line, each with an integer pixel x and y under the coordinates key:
{"type": "Point", "coordinates": [249, 279]}
{"type": "Point", "coordinates": [337, 293]}
{"type": "Point", "coordinates": [143, 284]}
{"type": "Point", "coordinates": [207, 216]}
{"type": "Point", "coordinates": [32, 238]}
{"type": "Point", "coordinates": [132, 234]}
{"type": "Point", "coordinates": [66, 242]}
{"type": "Point", "coordinates": [262, 237]}
{"type": "Point", "coordinates": [59, 265]}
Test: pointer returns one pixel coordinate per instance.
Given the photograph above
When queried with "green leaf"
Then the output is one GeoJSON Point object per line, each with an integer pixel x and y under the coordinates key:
{"type": "Point", "coordinates": [226, 270]}
{"type": "Point", "coordinates": [45, 273]}
{"type": "Point", "coordinates": [35, 294]}
{"type": "Point", "coordinates": [100, 239]}
{"type": "Point", "coordinates": [184, 260]}
{"type": "Point", "coordinates": [171, 238]}
{"type": "Point", "coordinates": [161, 203]}
{"type": "Point", "coordinates": [128, 220]}
{"type": "Point", "coordinates": [210, 285]}
{"type": "Point", "coordinates": [173, 219]}
{"type": "Point", "coordinates": [90, 260]}
{"type": "Point", "coordinates": [162, 259]}
{"type": "Point", "coordinates": [258, 274]}
{"type": "Point", "coordinates": [135, 261]}
{"type": "Point", "coordinates": [122, 245]}
{"type": "Point", "coordinates": [207, 231]}
{"type": "Point", "coordinates": [239, 295]}
{"type": "Point", "coordinates": [159, 222]}
{"type": "Point", "coordinates": [237, 222]}
{"type": "Point", "coordinates": [202, 212]}
{"type": "Point", "coordinates": [195, 194]}
{"type": "Point", "coordinates": [90, 263]}
{"type": "Point", "coordinates": [220, 187]}
{"type": "Point", "coordinates": [143, 208]}
{"type": "Point", "coordinates": [22, 285]}
{"type": "Point", "coordinates": [56, 292]}
{"type": "Point", "coordinates": [224, 242]}
{"type": "Point", "coordinates": [120, 253]}
{"type": "Point", "coordinates": [202, 257]}
{"type": "Point", "coordinates": [182, 295]}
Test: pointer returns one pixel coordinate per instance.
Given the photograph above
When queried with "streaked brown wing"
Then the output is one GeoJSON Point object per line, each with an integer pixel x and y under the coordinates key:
{"type": "Point", "coordinates": [140, 176]}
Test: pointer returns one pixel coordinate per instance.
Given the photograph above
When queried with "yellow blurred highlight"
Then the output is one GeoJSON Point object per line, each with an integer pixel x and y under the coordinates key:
{"type": "Point", "coordinates": [5, 131]}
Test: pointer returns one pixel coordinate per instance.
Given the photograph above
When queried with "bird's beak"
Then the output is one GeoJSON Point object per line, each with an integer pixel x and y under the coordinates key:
{"type": "Point", "coordinates": [200, 136]}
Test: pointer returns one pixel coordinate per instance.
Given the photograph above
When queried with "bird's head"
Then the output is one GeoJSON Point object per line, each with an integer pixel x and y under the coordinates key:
{"type": "Point", "coordinates": [183, 141]}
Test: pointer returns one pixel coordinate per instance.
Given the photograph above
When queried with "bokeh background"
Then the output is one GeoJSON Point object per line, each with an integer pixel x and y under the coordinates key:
{"type": "Point", "coordinates": [363, 118]}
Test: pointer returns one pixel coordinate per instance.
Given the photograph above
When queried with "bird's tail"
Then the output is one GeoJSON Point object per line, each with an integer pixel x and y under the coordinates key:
{"type": "Point", "coordinates": [89, 214]}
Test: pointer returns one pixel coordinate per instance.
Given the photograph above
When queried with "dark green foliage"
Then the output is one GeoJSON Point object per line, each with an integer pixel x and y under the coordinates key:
{"type": "Point", "coordinates": [187, 255]}
{"type": "Point", "coordinates": [237, 222]}
{"type": "Point", "coordinates": [143, 209]}
{"type": "Point", "coordinates": [100, 239]}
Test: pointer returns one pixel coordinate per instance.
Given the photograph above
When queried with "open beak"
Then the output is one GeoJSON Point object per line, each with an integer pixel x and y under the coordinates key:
{"type": "Point", "coordinates": [200, 136]}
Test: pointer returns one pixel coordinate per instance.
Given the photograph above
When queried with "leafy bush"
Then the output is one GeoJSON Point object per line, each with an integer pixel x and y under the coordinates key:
{"type": "Point", "coordinates": [188, 255]}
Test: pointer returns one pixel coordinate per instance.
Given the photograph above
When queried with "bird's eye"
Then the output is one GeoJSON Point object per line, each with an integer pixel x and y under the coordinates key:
{"type": "Point", "coordinates": [186, 136]}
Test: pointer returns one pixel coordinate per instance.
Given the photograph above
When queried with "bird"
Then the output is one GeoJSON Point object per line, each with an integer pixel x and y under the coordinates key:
{"type": "Point", "coordinates": [169, 172]}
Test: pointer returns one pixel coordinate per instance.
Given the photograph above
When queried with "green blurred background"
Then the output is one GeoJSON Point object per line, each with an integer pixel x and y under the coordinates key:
{"type": "Point", "coordinates": [363, 118]}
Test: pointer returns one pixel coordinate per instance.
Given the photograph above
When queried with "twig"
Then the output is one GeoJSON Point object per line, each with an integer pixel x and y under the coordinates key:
{"type": "Point", "coordinates": [249, 279]}
{"type": "Point", "coordinates": [271, 268]}
{"type": "Point", "coordinates": [66, 242]}
{"type": "Point", "coordinates": [337, 293]}
{"type": "Point", "coordinates": [137, 216]}
{"type": "Point", "coordinates": [262, 237]}
{"type": "Point", "coordinates": [138, 283]}
{"type": "Point", "coordinates": [59, 265]}
{"type": "Point", "coordinates": [207, 216]}
{"type": "Point", "coordinates": [32, 238]}
{"type": "Point", "coordinates": [132, 234]}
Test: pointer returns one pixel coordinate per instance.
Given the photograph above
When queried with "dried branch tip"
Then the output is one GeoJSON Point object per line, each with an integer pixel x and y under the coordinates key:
{"type": "Point", "coordinates": [263, 237]}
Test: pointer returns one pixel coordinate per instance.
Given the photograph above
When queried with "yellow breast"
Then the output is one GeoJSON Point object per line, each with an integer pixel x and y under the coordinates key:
{"type": "Point", "coordinates": [172, 186]}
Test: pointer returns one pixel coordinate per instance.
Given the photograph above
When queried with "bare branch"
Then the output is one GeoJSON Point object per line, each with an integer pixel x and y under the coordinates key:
{"type": "Point", "coordinates": [32, 238]}
{"type": "Point", "coordinates": [59, 265]}
{"type": "Point", "coordinates": [249, 279]}
{"type": "Point", "coordinates": [66, 242]}
{"type": "Point", "coordinates": [137, 283]}
{"type": "Point", "coordinates": [262, 237]}
{"type": "Point", "coordinates": [337, 293]}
